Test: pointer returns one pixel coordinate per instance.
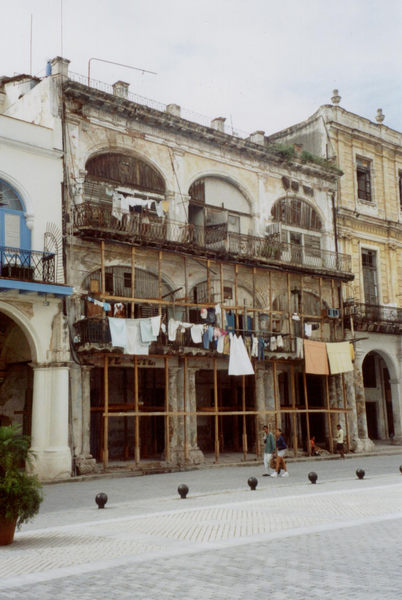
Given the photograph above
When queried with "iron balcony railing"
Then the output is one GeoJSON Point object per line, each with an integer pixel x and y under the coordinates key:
{"type": "Point", "coordinates": [373, 313]}
{"type": "Point", "coordinates": [27, 265]}
{"type": "Point", "coordinates": [93, 217]}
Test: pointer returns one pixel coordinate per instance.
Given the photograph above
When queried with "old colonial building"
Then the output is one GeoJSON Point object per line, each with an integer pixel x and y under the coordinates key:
{"type": "Point", "coordinates": [369, 216]}
{"type": "Point", "coordinates": [34, 341]}
{"type": "Point", "coordinates": [208, 284]}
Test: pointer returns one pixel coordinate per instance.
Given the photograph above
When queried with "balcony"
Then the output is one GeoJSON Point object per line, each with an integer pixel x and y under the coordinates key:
{"type": "Point", "coordinates": [373, 317]}
{"type": "Point", "coordinates": [27, 265]}
{"type": "Point", "coordinates": [95, 219]}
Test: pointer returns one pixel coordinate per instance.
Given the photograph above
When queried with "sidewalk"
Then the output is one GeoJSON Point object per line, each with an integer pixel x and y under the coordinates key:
{"type": "Point", "coordinates": [224, 542]}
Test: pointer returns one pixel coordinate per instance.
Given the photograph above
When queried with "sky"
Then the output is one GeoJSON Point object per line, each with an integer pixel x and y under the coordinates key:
{"type": "Point", "coordinates": [262, 64]}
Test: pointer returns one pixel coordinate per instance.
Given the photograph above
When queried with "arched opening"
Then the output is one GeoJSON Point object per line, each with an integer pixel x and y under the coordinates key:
{"type": "Point", "coordinates": [13, 230]}
{"type": "Point", "coordinates": [220, 213]}
{"type": "Point", "coordinates": [16, 375]}
{"type": "Point", "coordinates": [124, 195]}
{"type": "Point", "coordinates": [377, 391]}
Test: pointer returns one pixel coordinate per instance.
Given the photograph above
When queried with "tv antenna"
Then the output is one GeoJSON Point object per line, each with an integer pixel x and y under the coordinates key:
{"type": "Point", "coordinates": [111, 62]}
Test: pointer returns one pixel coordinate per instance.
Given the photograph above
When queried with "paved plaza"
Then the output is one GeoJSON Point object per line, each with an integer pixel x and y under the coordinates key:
{"type": "Point", "coordinates": [289, 539]}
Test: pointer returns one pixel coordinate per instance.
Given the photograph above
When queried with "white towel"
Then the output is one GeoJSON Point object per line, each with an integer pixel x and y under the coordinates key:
{"type": "Point", "coordinates": [118, 332]}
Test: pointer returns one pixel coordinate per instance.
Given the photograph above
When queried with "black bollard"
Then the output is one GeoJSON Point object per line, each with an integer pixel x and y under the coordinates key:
{"type": "Point", "coordinates": [253, 482]}
{"type": "Point", "coordinates": [400, 468]}
{"type": "Point", "coordinates": [183, 490]}
{"type": "Point", "coordinates": [101, 499]}
{"type": "Point", "coordinates": [313, 477]}
{"type": "Point", "coordinates": [360, 473]}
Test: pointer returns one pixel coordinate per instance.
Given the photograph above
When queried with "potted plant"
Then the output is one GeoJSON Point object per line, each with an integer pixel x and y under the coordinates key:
{"type": "Point", "coordinates": [20, 493]}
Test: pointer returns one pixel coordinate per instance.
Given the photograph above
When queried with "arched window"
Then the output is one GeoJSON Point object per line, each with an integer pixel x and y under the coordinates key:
{"type": "Point", "coordinates": [218, 208]}
{"type": "Point", "coordinates": [296, 213]}
{"type": "Point", "coordinates": [13, 230]}
{"type": "Point", "coordinates": [119, 170]}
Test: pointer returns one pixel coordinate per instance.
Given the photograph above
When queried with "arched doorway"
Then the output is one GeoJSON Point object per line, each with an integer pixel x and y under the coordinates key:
{"type": "Point", "coordinates": [378, 396]}
{"type": "Point", "coordinates": [16, 375]}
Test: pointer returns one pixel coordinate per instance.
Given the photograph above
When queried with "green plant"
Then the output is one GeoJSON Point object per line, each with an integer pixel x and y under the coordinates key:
{"type": "Point", "coordinates": [20, 493]}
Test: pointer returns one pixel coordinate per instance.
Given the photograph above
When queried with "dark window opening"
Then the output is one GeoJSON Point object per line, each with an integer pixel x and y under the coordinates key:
{"type": "Point", "coordinates": [369, 372]}
{"type": "Point", "coordinates": [363, 180]}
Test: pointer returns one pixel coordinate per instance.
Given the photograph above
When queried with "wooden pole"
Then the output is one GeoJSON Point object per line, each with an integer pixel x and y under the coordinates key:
{"type": "Point", "coordinates": [106, 412]}
{"type": "Point", "coordinates": [307, 411]}
{"type": "Point", "coordinates": [136, 418]}
{"type": "Point", "coordinates": [294, 416]}
{"type": "Point", "coordinates": [103, 278]}
{"type": "Point", "coordinates": [160, 256]}
{"type": "Point", "coordinates": [167, 416]}
{"type": "Point", "coordinates": [222, 295]}
{"type": "Point", "coordinates": [132, 280]}
{"type": "Point", "coordinates": [243, 407]}
{"type": "Point", "coordinates": [276, 402]}
{"type": "Point", "coordinates": [216, 412]}
{"type": "Point", "coordinates": [346, 412]}
{"type": "Point", "coordinates": [186, 453]}
{"type": "Point", "coordinates": [331, 441]}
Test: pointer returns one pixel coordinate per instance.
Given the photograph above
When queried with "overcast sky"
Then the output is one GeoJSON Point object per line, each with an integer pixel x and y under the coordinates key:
{"type": "Point", "coordinates": [262, 64]}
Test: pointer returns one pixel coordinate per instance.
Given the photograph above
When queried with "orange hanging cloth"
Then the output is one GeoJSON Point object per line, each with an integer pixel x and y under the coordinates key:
{"type": "Point", "coordinates": [315, 356]}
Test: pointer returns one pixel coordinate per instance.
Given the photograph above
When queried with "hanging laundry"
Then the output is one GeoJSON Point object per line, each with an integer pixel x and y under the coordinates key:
{"type": "Point", "coordinates": [118, 332]}
{"type": "Point", "coordinates": [147, 335]}
{"type": "Point", "coordinates": [220, 343]}
{"type": "Point", "coordinates": [254, 346]}
{"type": "Point", "coordinates": [119, 310]}
{"type": "Point", "coordinates": [172, 329]}
{"type": "Point", "coordinates": [239, 361]}
{"type": "Point", "coordinates": [316, 359]}
{"type": "Point", "coordinates": [339, 357]}
{"type": "Point", "coordinates": [261, 348]}
{"type": "Point", "coordinates": [211, 316]}
{"type": "Point", "coordinates": [203, 313]}
{"type": "Point", "coordinates": [135, 345]}
{"type": "Point", "coordinates": [226, 345]}
{"type": "Point", "coordinates": [218, 309]}
{"type": "Point", "coordinates": [230, 321]}
{"type": "Point", "coordinates": [299, 348]}
{"type": "Point", "coordinates": [352, 352]}
{"type": "Point", "coordinates": [279, 342]}
{"type": "Point", "coordinates": [308, 329]}
{"type": "Point", "coordinates": [196, 333]}
{"type": "Point", "coordinates": [205, 339]}
{"type": "Point", "coordinates": [272, 344]}
{"type": "Point", "coordinates": [156, 324]}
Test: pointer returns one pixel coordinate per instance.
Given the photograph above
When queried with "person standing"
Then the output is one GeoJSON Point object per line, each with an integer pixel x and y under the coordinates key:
{"type": "Point", "coordinates": [281, 447]}
{"type": "Point", "coordinates": [269, 449]}
{"type": "Point", "coordinates": [339, 441]}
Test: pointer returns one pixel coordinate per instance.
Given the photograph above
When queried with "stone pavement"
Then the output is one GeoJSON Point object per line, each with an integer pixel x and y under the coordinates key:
{"type": "Point", "coordinates": [288, 539]}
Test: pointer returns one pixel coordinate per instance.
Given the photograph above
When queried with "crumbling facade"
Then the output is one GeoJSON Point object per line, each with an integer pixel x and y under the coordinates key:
{"type": "Point", "coordinates": [208, 284]}
{"type": "Point", "coordinates": [369, 217]}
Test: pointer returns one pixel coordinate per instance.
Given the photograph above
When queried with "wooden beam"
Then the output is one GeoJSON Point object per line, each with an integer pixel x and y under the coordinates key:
{"type": "Point", "coordinates": [106, 413]}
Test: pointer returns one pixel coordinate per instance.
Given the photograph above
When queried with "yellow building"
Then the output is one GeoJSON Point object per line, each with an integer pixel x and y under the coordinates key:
{"type": "Point", "coordinates": [368, 221]}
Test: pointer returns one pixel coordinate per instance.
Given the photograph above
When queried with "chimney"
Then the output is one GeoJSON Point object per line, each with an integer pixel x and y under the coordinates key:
{"type": "Point", "coordinates": [60, 67]}
{"type": "Point", "coordinates": [258, 137]}
{"type": "Point", "coordinates": [336, 98]}
{"type": "Point", "coordinates": [218, 124]}
{"type": "Point", "coordinates": [173, 109]}
{"type": "Point", "coordinates": [120, 89]}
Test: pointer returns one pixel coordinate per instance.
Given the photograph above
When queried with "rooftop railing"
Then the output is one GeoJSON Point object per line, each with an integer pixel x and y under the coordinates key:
{"type": "Point", "coordinates": [27, 265]}
{"type": "Point", "coordinates": [373, 313]}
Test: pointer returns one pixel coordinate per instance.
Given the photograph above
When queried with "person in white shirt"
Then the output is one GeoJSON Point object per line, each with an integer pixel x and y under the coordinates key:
{"type": "Point", "coordinates": [339, 441]}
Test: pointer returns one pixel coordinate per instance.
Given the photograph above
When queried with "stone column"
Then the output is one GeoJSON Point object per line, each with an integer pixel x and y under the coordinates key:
{"type": "Point", "coordinates": [176, 449]}
{"type": "Point", "coordinates": [261, 419]}
{"type": "Point", "coordinates": [76, 412]}
{"type": "Point", "coordinates": [84, 461]}
{"type": "Point", "coordinates": [366, 443]}
{"type": "Point", "coordinates": [50, 422]}
{"type": "Point", "coordinates": [355, 444]}
{"type": "Point", "coordinates": [195, 454]}
{"type": "Point", "coordinates": [396, 395]}
{"type": "Point", "coordinates": [270, 398]}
